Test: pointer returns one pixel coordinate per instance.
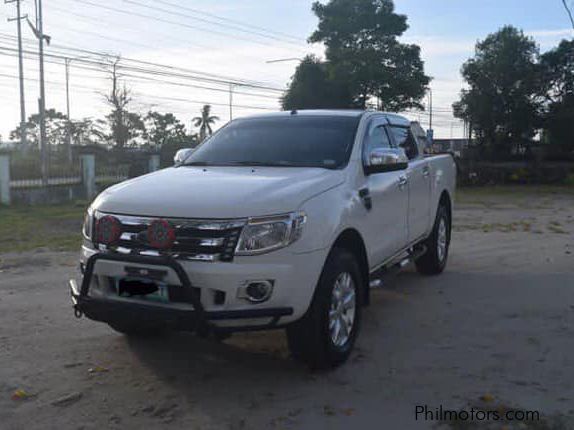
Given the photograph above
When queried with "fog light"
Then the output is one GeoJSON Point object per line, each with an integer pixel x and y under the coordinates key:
{"type": "Point", "coordinates": [256, 291]}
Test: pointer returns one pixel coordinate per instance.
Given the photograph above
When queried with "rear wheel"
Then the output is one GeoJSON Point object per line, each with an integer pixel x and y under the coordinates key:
{"type": "Point", "coordinates": [434, 260]}
{"type": "Point", "coordinates": [325, 336]}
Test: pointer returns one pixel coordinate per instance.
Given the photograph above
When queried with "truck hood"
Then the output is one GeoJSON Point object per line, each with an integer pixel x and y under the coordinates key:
{"type": "Point", "coordinates": [217, 192]}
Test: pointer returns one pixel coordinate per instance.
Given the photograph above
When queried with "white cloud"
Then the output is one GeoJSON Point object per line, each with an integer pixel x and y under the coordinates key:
{"type": "Point", "coordinates": [567, 32]}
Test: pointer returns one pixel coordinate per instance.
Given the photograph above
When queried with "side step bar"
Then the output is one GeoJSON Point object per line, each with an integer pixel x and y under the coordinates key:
{"type": "Point", "coordinates": [393, 267]}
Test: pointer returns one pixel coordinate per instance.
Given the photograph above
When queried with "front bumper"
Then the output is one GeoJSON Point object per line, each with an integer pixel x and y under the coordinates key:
{"type": "Point", "coordinates": [181, 316]}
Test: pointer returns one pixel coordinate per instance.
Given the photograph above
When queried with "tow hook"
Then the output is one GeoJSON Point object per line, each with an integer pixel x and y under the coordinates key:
{"type": "Point", "coordinates": [78, 312]}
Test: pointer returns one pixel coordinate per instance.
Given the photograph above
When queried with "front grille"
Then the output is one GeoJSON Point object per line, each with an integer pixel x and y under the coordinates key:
{"type": "Point", "coordinates": [197, 240]}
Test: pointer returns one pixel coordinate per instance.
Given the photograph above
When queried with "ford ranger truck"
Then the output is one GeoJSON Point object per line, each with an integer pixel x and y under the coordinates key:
{"type": "Point", "coordinates": [283, 220]}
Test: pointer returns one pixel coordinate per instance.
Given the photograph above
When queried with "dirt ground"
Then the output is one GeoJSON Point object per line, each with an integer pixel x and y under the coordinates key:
{"type": "Point", "coordinates": [495, 330]}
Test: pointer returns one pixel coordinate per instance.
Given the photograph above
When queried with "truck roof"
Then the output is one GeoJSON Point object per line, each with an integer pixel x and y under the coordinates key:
{"type": "Point", "coordinates": [392, 117]}
{"type": "Point", "coordinates": [312, 112]}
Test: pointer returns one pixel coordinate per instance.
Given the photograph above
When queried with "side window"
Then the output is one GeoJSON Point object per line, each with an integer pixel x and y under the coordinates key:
{"type": "Point", "coordinates": [405, 139]}
{"type": "Point", "coordinates": [376, 137]}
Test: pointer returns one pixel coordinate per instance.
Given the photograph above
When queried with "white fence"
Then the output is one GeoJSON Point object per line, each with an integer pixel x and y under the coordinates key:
{"type": "Point", "coordinates": [85, 181]}
{"type": "Point", "coordinates": [31, 183]}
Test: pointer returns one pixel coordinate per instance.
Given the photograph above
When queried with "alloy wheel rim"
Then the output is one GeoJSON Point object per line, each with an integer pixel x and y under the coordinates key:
{"type": "Point", "coordinates": [342, 310]}
{"type": "Point", "coordinates": [441, 240]}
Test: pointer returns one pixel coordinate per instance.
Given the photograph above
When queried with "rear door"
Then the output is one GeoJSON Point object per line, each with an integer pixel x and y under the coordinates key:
{"type": "Point", "coordinates": [386, 220]}
{"type": "Point", "coordinates": [419, 184]}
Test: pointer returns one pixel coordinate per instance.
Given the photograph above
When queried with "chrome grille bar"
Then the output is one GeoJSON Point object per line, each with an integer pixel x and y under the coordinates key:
{"type": "Point", "coordinates": [196, 239]}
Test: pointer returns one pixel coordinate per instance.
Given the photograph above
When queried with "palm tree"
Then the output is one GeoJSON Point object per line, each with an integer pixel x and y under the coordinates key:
{"type": "Point", "coordinates": [204, 122]}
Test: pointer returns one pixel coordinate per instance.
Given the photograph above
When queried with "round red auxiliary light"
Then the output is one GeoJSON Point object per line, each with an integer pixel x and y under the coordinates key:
{"type": "Point", "coordinates": [160, 234]}
{"type": "Point", "coordinates": [108, 230]}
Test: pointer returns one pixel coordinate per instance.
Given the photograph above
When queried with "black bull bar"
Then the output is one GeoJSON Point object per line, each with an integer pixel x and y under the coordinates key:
{"type": "Point", "coordinates": [178, 316]}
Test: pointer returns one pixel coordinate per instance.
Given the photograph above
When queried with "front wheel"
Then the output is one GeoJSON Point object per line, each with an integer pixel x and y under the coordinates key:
{"type": "Point", "coordinates": [434, 260]}
{"type": "Point", "coordinates": [325, 336]}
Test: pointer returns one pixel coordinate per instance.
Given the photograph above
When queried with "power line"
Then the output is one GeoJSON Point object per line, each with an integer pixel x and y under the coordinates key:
{"type": "Point", "coordinates": [141, 65]}
{"type": "Point", "coordinates": [171, 22]}
{"type": "Point", "coordinates": [197, 11]}
{"type": "Point", "coordinates": [569, 12]}
{"type": "Point", "coordinates": [129, 42]}
{"type": "Point", "coordinates": [152, 96]}
{"type": "Point", "coordinates": [233, 27]}
{"type": "Point", "coordinates": [134, 77]}
{"type": "Point", "coordinates": [222, 78]}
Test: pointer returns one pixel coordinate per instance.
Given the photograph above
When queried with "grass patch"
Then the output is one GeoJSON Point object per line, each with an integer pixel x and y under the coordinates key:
{"type": "Point", "coordinates": [556, 227]}
{"type": "Point", "coordinates": [24, 228]}
{"type": "Point", "coordinates": [520, 226]}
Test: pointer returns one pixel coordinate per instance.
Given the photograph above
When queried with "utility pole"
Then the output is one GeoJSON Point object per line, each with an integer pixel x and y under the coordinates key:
{"type": "Point", "coordinates": [230, 102]}
{"type": "Point", "coordinates": [430, 131]}
{"type": "Point", "coordinates": [42, 101]}
{"type": "Point", "coordinates": [430, 108]}
{"type": "Point", "coordinates": [69, 123]}
{"type": "Point", "coordinates": [18, 20]}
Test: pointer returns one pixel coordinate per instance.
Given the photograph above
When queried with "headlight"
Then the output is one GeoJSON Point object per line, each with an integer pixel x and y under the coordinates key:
{"type": "Point", "coordinates": [262, 235]}
{"type": "Point", "coordinates": [88, 226]}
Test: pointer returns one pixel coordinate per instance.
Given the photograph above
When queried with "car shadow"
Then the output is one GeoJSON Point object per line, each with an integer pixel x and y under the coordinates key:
{"type": "Point", "coordinates": [255, 367]}
{"type": "Point", "coordinates": [423, 339]}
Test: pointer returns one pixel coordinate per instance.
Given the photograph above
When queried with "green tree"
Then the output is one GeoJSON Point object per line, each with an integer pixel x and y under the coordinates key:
{"type": "Point", "coordinates": [125, 126]}
{"type": "Point", "coordinates": [204, 122]}
{"type": "Point", "coordinates": [87, 131]}
{"type": "Point", "coordinates": [502, 102]}
{"type": "Point", "coordinates": [55, 128]}
{"type": "Point", "coordinates": [83, 132]}
{"type": "Point", "coordinates": [312, 88]}
{"type": "Point", "coordinates": [161, 129]}
{"type": "Point", "coordinates": [363, 51]}
{"type": "Point", "coordinates": [558, 72]}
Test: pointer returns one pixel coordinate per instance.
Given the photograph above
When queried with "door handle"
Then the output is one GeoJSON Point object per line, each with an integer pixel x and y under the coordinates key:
{"type": "Point", "coordinates": [426, 171]}
{"type": "Point", "coordinates": [403, 181]}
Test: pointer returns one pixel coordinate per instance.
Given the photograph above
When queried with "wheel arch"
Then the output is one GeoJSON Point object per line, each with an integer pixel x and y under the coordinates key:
{"type": "Point", "coordinates": [445, 200]}
{"type": "Point", "coordinates": [351, 240]}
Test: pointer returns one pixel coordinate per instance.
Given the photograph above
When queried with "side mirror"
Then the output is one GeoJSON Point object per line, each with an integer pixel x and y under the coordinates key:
{"type": "Point", "coordinates": [181, 155]}
{"type": "Point", "coordinates": [386, 160]}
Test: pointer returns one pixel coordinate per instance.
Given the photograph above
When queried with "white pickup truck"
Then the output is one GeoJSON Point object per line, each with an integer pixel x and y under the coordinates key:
{"type": "Point", "coordinates": [277, 221]}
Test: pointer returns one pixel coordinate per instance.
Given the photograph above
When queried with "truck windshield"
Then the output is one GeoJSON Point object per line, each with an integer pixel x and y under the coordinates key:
{"type": "Point", "coordinates": [294, 141]}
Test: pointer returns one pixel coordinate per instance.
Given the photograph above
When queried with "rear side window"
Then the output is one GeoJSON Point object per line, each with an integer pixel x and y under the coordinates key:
{"type": "Point", "coordinates": [405, 139]}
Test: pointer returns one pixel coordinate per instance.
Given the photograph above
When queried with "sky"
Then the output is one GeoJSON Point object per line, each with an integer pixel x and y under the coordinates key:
{"type": "Point", "coordinates": [233, 40]}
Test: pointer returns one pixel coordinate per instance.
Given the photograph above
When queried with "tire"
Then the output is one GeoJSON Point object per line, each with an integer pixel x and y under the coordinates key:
{"type": "Point", "coordinates": [313, 340]}
{"type": "Point", "coordinates": [434, 260]}
{"type": "Point", "coordinates": [133, 330]}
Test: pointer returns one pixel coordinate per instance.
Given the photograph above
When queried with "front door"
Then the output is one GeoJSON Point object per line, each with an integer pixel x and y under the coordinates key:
{"type": "Point", "coordinates": [387, 220]}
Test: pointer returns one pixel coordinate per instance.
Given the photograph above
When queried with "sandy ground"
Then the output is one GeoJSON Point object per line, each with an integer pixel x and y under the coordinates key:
{"type": "Point", "coordinates": [498, 324]}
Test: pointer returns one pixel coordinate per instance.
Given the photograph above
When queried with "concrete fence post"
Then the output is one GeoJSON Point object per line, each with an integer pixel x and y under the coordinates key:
{"type": "Point", "coordinates": [88, 162]}
{"type": "Point", "coordinates": [5, 179]}
{"type": "Point", "coordinates": [153, 163]}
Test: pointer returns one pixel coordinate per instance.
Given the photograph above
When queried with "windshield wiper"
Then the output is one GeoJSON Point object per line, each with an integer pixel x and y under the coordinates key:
{"type": "Point", "coordinates": [197, 163]}
{"type": "Point", "coordinates": [263, 163]}
{"type": "Point", "coordinates": [255, 164]}
{"type": "Point", "coordinates": [238, 163]}
{"type": "Point", "coordinates": [280, 164]}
